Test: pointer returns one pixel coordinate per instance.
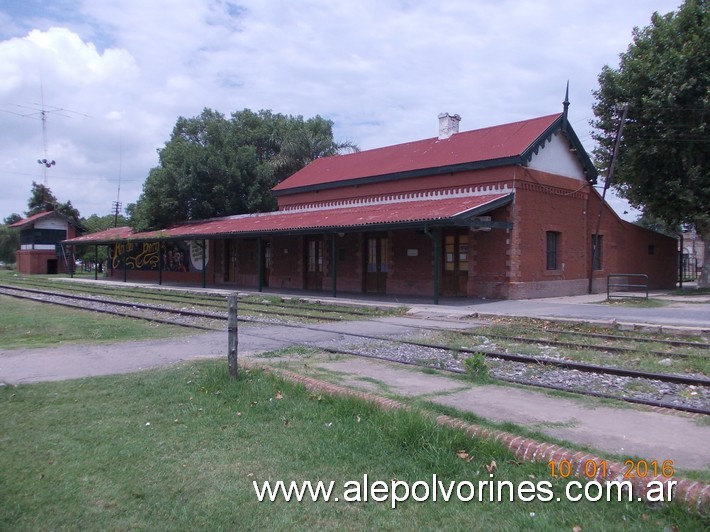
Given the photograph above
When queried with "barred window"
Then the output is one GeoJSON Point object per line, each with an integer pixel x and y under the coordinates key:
{"type": "Point", "coordinates": [553, 241]}
{"type": "Point", "coordinates": [597, 246]}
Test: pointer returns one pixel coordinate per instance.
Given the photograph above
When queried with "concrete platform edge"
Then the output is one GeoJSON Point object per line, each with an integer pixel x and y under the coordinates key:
{"type": "Point", "coordinates": [693, 495]}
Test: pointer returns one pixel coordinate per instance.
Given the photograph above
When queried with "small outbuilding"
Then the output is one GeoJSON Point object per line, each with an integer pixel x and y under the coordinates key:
{"type": "Point", "coordinates": [40, 250]}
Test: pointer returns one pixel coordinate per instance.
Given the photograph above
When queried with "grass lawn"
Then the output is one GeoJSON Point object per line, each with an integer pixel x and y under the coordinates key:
{"type": "Point", "coordinates": [179, 449]}
{"type": "Point", "coordinates": [29, 324]}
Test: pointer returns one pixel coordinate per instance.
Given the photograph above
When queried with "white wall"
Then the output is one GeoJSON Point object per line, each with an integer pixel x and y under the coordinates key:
{"type": "Point", "coordinates": [52, 223]}
{"type": "Point", "coordinates": [556, 158]}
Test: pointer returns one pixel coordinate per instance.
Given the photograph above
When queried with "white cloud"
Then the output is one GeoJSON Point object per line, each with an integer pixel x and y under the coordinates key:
{"type": "Point", "coordinates": [381, 70]}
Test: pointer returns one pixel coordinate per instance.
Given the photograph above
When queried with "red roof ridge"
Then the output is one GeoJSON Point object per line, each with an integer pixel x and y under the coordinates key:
{"type": "Point", "coordinates": [33, 218]}
{"type": "Point", "coordinates": [112, 233]}
{"type": "Point", "coordinates": [500, 142]}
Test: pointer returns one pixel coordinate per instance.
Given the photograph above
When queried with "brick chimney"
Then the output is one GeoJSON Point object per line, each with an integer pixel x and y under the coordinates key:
{"type": "Point", "coordinates": [448, 125]}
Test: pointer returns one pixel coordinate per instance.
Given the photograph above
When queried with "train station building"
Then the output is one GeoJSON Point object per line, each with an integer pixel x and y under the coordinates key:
{"type": "Point", "coordinates": [503, 212]}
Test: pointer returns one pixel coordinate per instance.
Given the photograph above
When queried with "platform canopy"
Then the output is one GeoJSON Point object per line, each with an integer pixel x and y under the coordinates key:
{"type": "Point", "coordinates": [450, 208]}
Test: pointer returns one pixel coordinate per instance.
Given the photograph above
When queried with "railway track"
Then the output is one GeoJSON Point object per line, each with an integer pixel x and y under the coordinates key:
{"type": "Point", "coordinates": [210, 300]}
{"type": "Point", "coordinates": [633, 338]}
{"type": "Point", "coordinates": [607, 348]}
{"type": "Point", "coordinates": [167, 310]}
{"type": "Point", "coordinates": [196, 299]}
{"type": "Point", "coordinates": [112, 306]}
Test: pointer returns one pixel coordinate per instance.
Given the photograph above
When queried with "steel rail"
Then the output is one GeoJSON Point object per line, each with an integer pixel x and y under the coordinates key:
{"type": "Point", "coordinates": [559, 343]}
{"type": "Point", "coordinates": [646, 402]}
{"type": "Point", "coordinates": [684, 408]}
{"type": "Point", "coordinates": [111, 312]}
{"type": "Point", "coordinates": [511, 357]}
{"type": "Point", "coordinates": [179, 297]}
{"type": "Point", "coordinates": [579, 366]}
{"type": "Point", "coordinates": [674, 343]}
{"type": "Point", "coordinates": [181, 312]}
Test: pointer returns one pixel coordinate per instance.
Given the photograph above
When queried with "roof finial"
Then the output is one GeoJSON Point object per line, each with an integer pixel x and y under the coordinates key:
{"type": "Point", "coordinates": [565, 108]}
{"type": "Point", "coordinates": [565, 104]}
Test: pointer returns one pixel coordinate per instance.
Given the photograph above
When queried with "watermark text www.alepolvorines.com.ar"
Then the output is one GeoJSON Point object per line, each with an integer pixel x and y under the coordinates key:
{"type": "Point", "coordinates": [436, 490]}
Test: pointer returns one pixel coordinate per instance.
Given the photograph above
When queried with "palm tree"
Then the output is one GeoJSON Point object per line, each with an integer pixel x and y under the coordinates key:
{"type": "Point", "coordinates": [306, 143]}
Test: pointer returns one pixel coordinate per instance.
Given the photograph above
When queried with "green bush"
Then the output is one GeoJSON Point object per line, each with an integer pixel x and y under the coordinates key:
{"type": "Point", "coordinates": [476, 368]}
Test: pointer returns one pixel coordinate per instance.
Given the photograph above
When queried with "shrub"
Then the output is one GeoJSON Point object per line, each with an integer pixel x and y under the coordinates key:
{"type": "Point", "coordinates": [476, 368]}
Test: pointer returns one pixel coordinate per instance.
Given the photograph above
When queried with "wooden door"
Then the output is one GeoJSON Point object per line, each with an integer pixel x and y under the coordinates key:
{"type": "Point", "coordinates": [227, 260]}
{"type": "Point", "coordinates": [376, 264]}
{"type": "Point", "coordinates": [265, 262]}
{"type": "Point", "coordinates": [455, 265]}
{"type": "Point", "coordinates": [314, 263]}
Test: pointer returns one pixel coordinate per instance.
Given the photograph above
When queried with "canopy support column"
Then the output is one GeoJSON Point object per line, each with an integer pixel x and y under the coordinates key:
{"type": "Point", "coordinates": [204, 264]}
{"type": "Point", "coordinates": [259, 264]}
{"type": "Point", "coordinates": [334, 264]}
{"type": "Point", "coordinates": [435, 236]}
{"type": "Point", "coordinates": [161, 247]}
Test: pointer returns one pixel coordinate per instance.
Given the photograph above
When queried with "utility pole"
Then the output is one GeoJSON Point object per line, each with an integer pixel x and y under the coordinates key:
{"type": "Point", "coordinates": [116, 207]}
{"type": "Point", "coordinates": [607, 184]}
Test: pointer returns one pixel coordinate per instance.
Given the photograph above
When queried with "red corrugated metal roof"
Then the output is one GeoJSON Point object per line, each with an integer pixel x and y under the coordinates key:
{"type": "Point", "coordinates": [491, 143]}
{"type": "Point", "coordinates": [114, 233]}
{"type": "Point", "coordinates": [31, 219]}
{"type": "Point", "coordinates": [355, 216]}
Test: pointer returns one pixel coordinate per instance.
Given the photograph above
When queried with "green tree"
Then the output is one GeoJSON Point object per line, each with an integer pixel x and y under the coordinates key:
{"type": "Point", "coordinates": [9, 242]}
{"type": "Point", "coordinates": [14, 217]}
{"type": "Point", "coordinates": [42, 200]}
{"type": "Point", "coordinates": [9, 239]}
{"type": "Point", "coordinates": [217, 166]}
{"type": "Point", "coordinates": [71, 212]}
{"type": "Point", "coordinates": [94, 224]}
{"type": "Point", "coordinates": [305, 142]}
{"type": "Point", "coordinates": [662, 165]}
{"type": "Point", "coordinates": [657, 224]}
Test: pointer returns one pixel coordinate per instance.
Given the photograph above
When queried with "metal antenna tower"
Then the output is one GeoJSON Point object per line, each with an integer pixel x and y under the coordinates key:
{"type": "Point", "coordinates": [46, 163]}
{"type": "Point", "coordinates": [117, 204]}
{"type": "Point", "coordinates": [40, 111]}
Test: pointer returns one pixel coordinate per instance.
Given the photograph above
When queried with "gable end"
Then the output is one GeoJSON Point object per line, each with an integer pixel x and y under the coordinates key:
{"type": "Point", "coordinates": [561, 126]}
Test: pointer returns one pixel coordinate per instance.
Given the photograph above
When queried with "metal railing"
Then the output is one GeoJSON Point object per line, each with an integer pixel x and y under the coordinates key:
{"type": "Point", "coordinates": [627, 285]}
{"type": "Point", "coordinates": [689, 268]}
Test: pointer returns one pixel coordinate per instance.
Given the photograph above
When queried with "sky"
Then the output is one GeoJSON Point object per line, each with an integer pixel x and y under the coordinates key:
{"type": "Point", "coordinates": [113, 76]}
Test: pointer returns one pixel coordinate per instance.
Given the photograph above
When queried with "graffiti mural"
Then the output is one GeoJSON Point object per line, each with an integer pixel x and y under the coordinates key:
{"type": "Point", "coordinates": [176, 257]}
{"type": "Point", "coordinates": [147, 255]}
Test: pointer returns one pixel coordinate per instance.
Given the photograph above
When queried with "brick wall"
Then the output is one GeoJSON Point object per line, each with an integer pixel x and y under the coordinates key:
{"type": "Point", "coordinates": [411, 264]}
{"type": "Point", "coordinates": [629, 248]}
{"type": "Point", "coordinates": [349, 266]}
{"type": "Point", "coordinates": [545, 202]}
{"type": "Point", "coordinates": [493, 260]}
{"type": "Point", "coordinates": [287, 262]}
{"type": "Point", "coordinates": [34, 261]}
{"type": "Point", "coordinates": [492, 176]}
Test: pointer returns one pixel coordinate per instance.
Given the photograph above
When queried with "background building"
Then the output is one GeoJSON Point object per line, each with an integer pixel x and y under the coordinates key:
{"type": "Point", "coordinates": [40, 252]}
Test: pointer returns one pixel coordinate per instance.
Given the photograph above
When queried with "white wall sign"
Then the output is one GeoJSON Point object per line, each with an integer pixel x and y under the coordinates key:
{"type": "Point", "coordinates": [196, 254]}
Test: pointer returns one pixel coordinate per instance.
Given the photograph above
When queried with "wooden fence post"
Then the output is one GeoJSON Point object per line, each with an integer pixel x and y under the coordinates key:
{"type": "Point", "coordinates": [233, 339]}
